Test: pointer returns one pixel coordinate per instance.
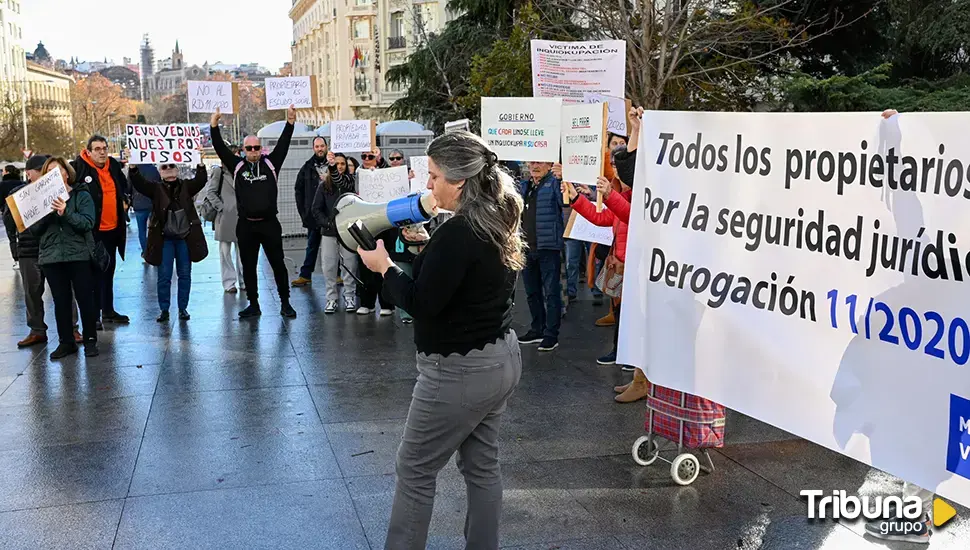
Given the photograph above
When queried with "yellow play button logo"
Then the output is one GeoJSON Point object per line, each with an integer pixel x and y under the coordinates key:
{"type": "Point", "coordinates": [942, 512]}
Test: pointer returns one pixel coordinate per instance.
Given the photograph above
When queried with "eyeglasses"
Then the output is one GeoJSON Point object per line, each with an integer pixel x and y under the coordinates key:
{"type": "Point", "coordinates": [99, 149]}
{"type": "Point", "coordinates": [396, 158]}
{"type": "Point", "coordinates": [167, 167]}
{"type": "Point", "coordinates": [253, 147]}
{"type": "Point", "coordinates": [368, 157]}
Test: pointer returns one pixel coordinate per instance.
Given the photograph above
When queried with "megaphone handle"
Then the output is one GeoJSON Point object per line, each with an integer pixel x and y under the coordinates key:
{"type": "Point", "coordinates": [363, 237]}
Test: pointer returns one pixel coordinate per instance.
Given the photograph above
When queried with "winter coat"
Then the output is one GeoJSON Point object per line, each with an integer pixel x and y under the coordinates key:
{"type": "Point", "coordinates": [68, 238]}
{"type": "Point", "coordinates": [172, 196]}
{"type": "Point", "coordinates": [321, 209]}
{"type": "Point", "coordinates": [140, 202]}
{"type": "Point", "coordinates": [88, 175]}
{"type": "Point", "coordinates": [307, 182]}
{"type": "Point", "coordinates": [549, 212]}
{"type": "Point", "coordinates": [615, 215]}
{"type": "Point", "coordinates": [224, 201]}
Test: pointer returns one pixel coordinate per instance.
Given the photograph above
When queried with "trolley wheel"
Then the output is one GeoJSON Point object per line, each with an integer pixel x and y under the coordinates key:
{"type": "Point", "coordinates": [643, 454]}
{"type": "Point", "coordinates": [685, 469]}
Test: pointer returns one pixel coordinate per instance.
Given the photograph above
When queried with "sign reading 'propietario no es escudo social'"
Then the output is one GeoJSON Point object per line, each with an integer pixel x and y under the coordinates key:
{"type": "Point", "coordinates": [522, 128]}
{"type": "Point", "coordinates": [811, 271]}
{"type": "Point", "coordinates": [175, 143]}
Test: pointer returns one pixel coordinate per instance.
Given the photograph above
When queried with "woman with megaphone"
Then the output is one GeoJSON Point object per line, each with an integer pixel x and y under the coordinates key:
{"type": "Point", "coordinates": [468, 360]}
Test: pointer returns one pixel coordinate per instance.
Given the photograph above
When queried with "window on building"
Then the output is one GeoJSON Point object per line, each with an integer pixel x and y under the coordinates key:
{"type": "Point", "coordinates": [397, 24]}
{"type": "Point", "coordinates": [361, 28]}
{"type": "Point", "coordinates": [364, 2]}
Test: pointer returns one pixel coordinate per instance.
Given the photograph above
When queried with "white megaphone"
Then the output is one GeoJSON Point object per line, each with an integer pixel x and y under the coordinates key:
{"type": "Point", "coordinates": [358, 222]}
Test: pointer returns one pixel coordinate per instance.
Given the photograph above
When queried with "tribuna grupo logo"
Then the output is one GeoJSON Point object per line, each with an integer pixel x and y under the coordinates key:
{"type": "Point", "coordinates": [896, 513]}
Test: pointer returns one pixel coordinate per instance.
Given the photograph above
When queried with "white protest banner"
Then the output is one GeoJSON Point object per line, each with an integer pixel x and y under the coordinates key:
{"type": "Point", "coordinates": [455, 125]}
{"type": "Point", "coordinates": [353, 136]}
{"type": "Point", "coordinates": [32, 202]}
{"type": "Point", "coordinates": [522, 128]}
{"type": "Point", "coordinates": [205, 96]}
{"type": "Point", "coordinates": [618, 110]}
{"type": "Point", "coordinates": [419, 165]}
{"type": "Point", "coordinates": [569, 69]}
{"type": "Point", "coordinates": [384, 184]}
{"type": "Point", "coordinates": [810, 270]}
{"type": "Point", "coordinates": [283, 91]}
{"type": "Point", "coordinates": [580, 229]}
{"type": "Point", "coordinates": [177, 143]}
{"type": "Point", "coordinates": [583, 142]}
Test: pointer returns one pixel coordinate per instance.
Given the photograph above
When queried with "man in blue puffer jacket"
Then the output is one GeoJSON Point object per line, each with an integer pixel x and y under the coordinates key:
{"type": "Point", "coordinates": [543, 226]}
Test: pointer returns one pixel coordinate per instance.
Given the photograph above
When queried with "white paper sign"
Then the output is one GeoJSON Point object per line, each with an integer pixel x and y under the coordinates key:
{"type": "Point", "coordinates": [281, 92]}
{"type": "Point", "coordinates": [383, 185]}
{"type": "Point", "coordinates": [176, 143]}
{"type": "Point", "coordinates": [205, 96]}
{"type": "Point", "coordinates": [419, 183]}
{"type": "Point", "coordinates": [582, 143]}
{"type": "Point", "coordinates": [581, 229]}
{"type": "Point", "coordinates": [33, 202]}
{"type": "Point", "coordinates": [813, 274]}
{"type": "Point", "coordinates": [616, 119]}
{"type": "Point", "coordinates": [522, 128]}
{"type": "Point", "coordinates": [569, 69]}
{"type": "Point", "coordinates": [456, 125]}
{"type": "Point", "coordinates": [351, 136]}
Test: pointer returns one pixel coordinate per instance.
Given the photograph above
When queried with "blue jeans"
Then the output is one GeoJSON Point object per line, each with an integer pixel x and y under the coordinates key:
{"type": "Point", "coordinates": [576, 252]}
{"type": "Point", "coordinates": [313, 237]}
{"type": "Point", "coordinates": [544, 291]}
{"type": "Point", "coordinates": [174, 251]}
{"type": "Point", "coordinates": [141, 218]}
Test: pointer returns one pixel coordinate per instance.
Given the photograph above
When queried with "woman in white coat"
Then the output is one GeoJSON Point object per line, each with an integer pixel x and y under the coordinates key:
{"type": "Point", "coordinates": [221, 192]}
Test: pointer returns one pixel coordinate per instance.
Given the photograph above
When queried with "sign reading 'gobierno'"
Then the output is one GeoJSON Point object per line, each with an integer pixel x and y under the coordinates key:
{"type": "Point", "coordinates": [522, 128]}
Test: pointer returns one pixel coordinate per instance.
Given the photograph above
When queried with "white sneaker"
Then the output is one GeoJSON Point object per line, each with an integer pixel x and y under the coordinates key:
{"type": "Point", "coordinates": [350, 305]}
{"type": "Point", "coordinates": [387, 312]}
{"type": "Point", "coordinates": [363, 311]}
{"type": "Point", "coordinates": [331, 306]}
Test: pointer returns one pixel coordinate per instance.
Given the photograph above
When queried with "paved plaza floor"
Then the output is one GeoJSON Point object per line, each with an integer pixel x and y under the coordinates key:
{"type": "Point", "coordinates": [218, 433]}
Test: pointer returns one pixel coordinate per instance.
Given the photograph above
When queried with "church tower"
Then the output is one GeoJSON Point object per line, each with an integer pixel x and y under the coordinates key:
{"type": "Point", "coordinates": [177, 57]}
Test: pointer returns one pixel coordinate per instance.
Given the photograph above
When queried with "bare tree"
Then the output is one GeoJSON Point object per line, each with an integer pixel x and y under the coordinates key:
{"type": "Point", "coordinates": [686, 47]}
{"type": "Point", "coordinates": [417, 22]}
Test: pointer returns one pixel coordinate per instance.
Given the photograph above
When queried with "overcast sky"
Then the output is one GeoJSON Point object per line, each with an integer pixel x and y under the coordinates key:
{"type": "Point", "coordinates": [230, 31]}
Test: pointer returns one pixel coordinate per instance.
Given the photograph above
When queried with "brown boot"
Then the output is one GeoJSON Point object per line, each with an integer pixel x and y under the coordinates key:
{"type": "Point", "coordinates": [638, 389]}
{"type": "Point", "coordinates": [623, 388]}
{"type": "Point", "coordinates": [32, 340]}
{"type": "Point", "coordinates": [606, 321]}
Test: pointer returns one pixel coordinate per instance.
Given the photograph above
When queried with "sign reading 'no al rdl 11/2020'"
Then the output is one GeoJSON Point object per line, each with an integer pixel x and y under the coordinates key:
{"type": "Point", "coordinates": [171, 143]}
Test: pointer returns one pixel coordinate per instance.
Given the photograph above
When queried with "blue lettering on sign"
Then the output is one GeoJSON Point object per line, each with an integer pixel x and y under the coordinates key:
{"type": "Point", "coordinates": [958, 449]}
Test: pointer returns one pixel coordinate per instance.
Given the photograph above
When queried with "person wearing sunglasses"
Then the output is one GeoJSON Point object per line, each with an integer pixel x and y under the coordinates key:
{"type": "Point", "coordinates": [174, 233]}
{"type": "Point", "coordinates": [256, 179]}
{"type": "Point", "coordinates": [369, 293]}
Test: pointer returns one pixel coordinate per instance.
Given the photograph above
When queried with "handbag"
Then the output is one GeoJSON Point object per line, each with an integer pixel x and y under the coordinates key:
{"type": "Point", "coordinates": [610, 279]}
{"type": "Point", "coordinates": [208, 210]}
{"type": "Point", "coordinates": [99, 256]}
{"type": "Point", "coordinates": [176, 224]}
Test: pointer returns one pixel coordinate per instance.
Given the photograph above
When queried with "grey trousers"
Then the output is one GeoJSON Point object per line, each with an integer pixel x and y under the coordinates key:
{"type": "Point", "coordinates": [334, 255]}
{"type": "Point", "coordinates": [457, 405]}
{"type": "Point", "coordinates": [33, 280]}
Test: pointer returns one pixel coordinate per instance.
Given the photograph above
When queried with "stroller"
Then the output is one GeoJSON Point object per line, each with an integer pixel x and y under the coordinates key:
{"type": "Point", "coordinates": [693, 422]}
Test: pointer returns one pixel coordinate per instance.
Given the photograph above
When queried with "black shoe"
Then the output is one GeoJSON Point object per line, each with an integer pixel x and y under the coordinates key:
{"type": "Point", "coordinates": [288, 311]}
{"type": "Point", "coordinates": [115, 317]}
{"type": "Point", "coordinates": [163, 318]}
{"type": "Point", "coordinates": [63, 351]}
{"type": "Point", "coordinates": [572, 299]}
{"type": "Point", "coordinates": [98, 325]}
{"type": "Point", "coordinates": [548, 344]}
{"type": "Point", "coordinates": [184, 315]}
{"type": "Point", "coordinates": [530, 337]}
{"type": "Point", "coordinates": [91, 348]}
{"type": "Point", "coordinates": [597, 300]}
{"type": "Point", "coordinates": [251, 311]}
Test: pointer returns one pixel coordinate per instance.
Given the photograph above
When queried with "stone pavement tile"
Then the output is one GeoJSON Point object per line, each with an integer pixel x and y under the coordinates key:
{"type": "Point", "coordinates": [375, 445]}
{"type": "Point", "coordinates": [563, 431]}
{"type": "Point", "coordinates": [5, 382]}
{"type": "Point", "coordinates": [65, 421]}
{"type": "Point", "coordinates": [239, 458]}
{"type": "Point", "coordinates": [598, 543]}
{"type": "Point", "coordinates": [788, 533]}
{"type": "Point", "coordinates": [373, 367]}
{"type": "Point", "coordinates": [311, 515]}
{"type": "Point", "coordinates": [538, 389]}
{"type": "Point", "coordinates": [77, 526]}
{"type": "Point", "coordinates": [237, 347]}
{"type": "Point", "coordinates": [353, 402]}
{"type": "Point", "coordinates": [14, 362]}
{"type": "Point", "coordinates": [43, 384]}
{"type": "Point", "coordinates": [231, 410]}
{"type": "Point", "coordinates": [115, 353]}
{"type": "Point", "coordinates": [199, 376]}
{"type": "Point", "coordinates": [533, 511]}
{"type": "Point", "coordinates": [66, 474]}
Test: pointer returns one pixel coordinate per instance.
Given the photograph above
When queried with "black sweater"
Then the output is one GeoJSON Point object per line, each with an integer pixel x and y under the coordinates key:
{"type": "Point", "coordinates": [256, 183]}
{"type": "Point", "coordinates": [461, 293]}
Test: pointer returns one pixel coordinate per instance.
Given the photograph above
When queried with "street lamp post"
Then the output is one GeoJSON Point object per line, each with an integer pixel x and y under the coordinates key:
{"type": "Point", "coordinates": [23, 110]}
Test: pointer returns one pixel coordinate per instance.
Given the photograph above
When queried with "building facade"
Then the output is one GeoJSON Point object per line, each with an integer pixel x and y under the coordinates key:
{"type": "Point", "coordinates": [349, 45]}
{"type": "Point", "coordinates": [50, 91]}
{"type": "Point", "coordinates": [13, 59]}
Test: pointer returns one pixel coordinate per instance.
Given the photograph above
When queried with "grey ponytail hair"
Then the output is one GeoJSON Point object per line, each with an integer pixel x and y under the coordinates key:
{"type": "Point", "coordinates": [489, 200]}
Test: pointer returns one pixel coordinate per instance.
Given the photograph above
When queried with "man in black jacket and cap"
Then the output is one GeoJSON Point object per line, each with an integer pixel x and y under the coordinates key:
{"type": "Point", "coordinates": [30, 273]}
{"type": "Point", "coordinates": [313, 172]}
